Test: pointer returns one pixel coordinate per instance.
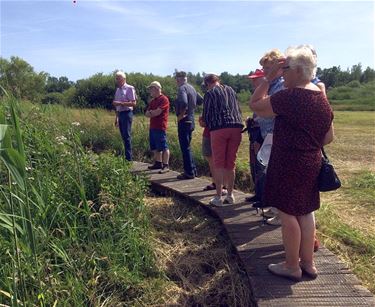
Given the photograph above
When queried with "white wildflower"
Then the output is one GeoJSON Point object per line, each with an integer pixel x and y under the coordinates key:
{"type": "Point", "coordinates": [77, 124]}
{"type": "Point", "coordinates": [61, 139]}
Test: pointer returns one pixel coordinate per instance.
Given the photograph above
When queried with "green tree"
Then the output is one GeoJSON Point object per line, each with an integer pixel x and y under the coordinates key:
{"type": "Point", "coordinates": [356, 72]}
{"type": "Point", "coordinates": [19, 78]}
{"type": "Point", "coordinates": [58, 84]}
{"type": "Point", "coordinates": [95, 92]}
{"type": "Point", "coordinates": [368, 75]}
{"type": "Point", "coordinates": [329, 76]}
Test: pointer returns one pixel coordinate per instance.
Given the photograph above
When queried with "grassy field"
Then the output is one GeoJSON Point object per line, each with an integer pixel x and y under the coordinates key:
{"type": "Point", "coordinates": [346, 218]}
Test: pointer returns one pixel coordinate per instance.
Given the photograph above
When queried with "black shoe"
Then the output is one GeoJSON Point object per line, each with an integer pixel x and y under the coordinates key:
{"type": "Point", "coordinates": [210, 187]}
{"type": "Point", "coordinates": [155, 166]}
{"type": "Point", "coordinates": [184, 176]}
{"type": "Point", "coordinates": [252, 199]}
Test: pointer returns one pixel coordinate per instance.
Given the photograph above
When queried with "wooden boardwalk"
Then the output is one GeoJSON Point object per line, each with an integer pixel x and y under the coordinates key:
{"type": "Point", "coordinates": [258, 245]}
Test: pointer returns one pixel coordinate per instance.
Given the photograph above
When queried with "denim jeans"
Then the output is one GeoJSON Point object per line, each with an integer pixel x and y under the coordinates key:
{"type": "Point", "coordinates": [185, 131]}
{"type": "Point", "coordinates": [125, 125]}
{"type": "Point", "coordinates": [260, 179]}
{"type": "Point", "coordinates": [254, 138]}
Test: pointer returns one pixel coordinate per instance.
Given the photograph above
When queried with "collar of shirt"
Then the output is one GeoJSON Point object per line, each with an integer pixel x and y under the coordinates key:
{"type": "Point", "coordinates": [125, 85]}
{"type": "Point", "coordinates": [276, 86]}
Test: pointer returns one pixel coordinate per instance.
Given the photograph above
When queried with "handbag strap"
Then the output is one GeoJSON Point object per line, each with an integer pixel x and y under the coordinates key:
{"type": "Point", "coordinates": [324, 153]}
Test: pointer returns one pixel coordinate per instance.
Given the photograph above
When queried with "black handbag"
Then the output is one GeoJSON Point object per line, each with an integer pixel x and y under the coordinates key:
{"type": "Point", "coordinates": [327, 179]}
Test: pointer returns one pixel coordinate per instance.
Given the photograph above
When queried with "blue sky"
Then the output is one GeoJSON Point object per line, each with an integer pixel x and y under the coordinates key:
{"type": "Point", "coordinates": [80, 39]}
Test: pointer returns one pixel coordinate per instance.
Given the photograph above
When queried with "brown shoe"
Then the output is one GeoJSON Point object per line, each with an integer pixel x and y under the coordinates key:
{"type": "Point", "coordinates": [309, 269]}
{"type": "Point", "coordinates": [281, 270]}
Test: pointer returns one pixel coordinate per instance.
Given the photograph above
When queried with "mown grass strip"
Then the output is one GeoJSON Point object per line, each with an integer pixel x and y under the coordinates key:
{"type": "Point", "coordinates": [354, 247]}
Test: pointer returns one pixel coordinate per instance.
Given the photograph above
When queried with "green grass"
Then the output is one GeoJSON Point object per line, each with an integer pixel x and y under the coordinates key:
{"type": "Point", "coordinates": [347, 218]}
{"type": "Point", "coordinates": [73, 225]}
{"type": "Point", "coordinates": [355, 247]}
{"type": "Point", "coordinates": [353, 97]}
{"type": "Point", "coordinates": [362, 188]}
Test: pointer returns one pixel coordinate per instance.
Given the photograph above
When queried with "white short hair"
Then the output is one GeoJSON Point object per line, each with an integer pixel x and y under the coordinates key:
{"type": "Point", "coordinates": [303, 57]}
{"type": "Point", "coordinates": [120, 74]}
{"type": "Point", "coordinates": [311, 48]}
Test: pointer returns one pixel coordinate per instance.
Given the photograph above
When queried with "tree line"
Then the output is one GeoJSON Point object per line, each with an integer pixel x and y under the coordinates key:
{"type": "Point", "coordinates": [21, 80]}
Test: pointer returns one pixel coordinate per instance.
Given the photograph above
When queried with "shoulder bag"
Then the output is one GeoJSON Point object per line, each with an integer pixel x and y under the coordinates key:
{"type": "Point", "coordinates": [327, 179]}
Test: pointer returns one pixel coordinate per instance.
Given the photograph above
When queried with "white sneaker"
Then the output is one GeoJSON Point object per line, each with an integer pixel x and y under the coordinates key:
{"type": "Point", "coordinates": [224, 192]}
{"type": "Point", "coordinates": [229, 199]}
{"type": "Point", "coordinates": [216, 201]}
{"type": "Point", "coordinates": [268, 213]}
{"type": "Point", "coordinates": [274, 221]}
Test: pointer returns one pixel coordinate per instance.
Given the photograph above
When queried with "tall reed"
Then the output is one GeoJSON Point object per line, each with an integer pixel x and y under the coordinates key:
{"type": "Point", "coordinates": [76, 220]}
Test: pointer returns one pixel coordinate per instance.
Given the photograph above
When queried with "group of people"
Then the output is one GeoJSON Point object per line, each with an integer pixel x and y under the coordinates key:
{"type": "Point", "coordinates": [158, 112]}
{"type": "Point", "coordinates": [292, 121]}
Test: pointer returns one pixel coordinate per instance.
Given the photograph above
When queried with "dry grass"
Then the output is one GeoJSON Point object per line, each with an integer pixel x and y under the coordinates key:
{"type": "Point", "coordinates": [196, 257]}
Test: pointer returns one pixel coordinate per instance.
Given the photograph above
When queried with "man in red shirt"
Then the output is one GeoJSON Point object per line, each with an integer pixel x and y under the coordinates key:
{"type": "Point", "coordinates": [158, 111]}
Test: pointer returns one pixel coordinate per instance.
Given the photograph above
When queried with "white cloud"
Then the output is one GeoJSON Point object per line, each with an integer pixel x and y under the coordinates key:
{"type": "Point", "coordinates": [142, 16]}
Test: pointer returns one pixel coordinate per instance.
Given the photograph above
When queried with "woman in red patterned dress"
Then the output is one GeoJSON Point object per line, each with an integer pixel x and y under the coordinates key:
{"type": "Point", "coordinates": [303, 125]}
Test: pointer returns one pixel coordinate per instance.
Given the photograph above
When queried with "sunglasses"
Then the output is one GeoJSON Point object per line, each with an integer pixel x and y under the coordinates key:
{"type": "Point", "coordinates": [285, 68]}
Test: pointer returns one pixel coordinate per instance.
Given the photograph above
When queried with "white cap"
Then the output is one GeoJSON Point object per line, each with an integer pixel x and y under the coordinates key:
{"type": "Point", "coordinates": [155, 84]}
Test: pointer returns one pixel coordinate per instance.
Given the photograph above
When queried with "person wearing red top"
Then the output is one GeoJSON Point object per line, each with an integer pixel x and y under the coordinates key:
{"type": "Point", "coordinates": [158, 111]}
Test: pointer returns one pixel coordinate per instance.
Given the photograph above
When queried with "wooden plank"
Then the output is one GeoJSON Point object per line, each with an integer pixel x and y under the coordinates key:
{"type": "Point", "coordinates": [260, 268]}
{"type": "Point", "coordinates": [305, 289]}
{"type": "Point", "coordinates": [317, 301]}
{"type": "Point", "coordinates": [258, 245]}
{"type": "Point", "coordinates": [269, 282]}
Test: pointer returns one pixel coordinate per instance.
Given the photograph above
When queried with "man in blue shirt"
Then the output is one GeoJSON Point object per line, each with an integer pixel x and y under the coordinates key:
{"type": "Point", "coordinates": [187, 98]}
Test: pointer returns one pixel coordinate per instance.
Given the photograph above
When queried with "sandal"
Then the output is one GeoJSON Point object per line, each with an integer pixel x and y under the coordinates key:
{"type": "Point", "coordinates": [309, 269]}
{"type": "Point", "coordinates": [280, 269]}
